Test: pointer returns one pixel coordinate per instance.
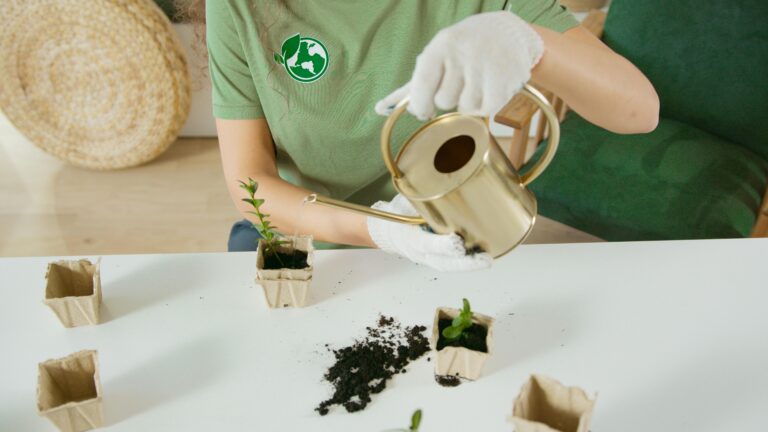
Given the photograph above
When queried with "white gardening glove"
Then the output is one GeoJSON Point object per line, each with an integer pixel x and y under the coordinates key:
{"type": "Point", "coordinates": [441, 252]}
{"type": "Point", "coordinates": [477, 64]}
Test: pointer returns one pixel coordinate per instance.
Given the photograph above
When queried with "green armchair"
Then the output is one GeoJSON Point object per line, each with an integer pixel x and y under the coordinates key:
{"type": "Point", "coordinates": [703, 172]}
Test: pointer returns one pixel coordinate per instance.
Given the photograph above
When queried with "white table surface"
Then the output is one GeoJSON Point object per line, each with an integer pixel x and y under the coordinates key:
{"type": "Point", "coordinates": [672, 335]}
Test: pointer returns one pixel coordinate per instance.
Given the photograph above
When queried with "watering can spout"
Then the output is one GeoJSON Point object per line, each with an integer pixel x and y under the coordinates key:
{"type": "Point", "coordinates": [367, 211]}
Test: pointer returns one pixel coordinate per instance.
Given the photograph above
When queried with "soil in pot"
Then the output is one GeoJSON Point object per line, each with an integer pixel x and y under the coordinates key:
{"type": "Point", "coordinates": [294, 259]}
{"type": "Point", "coordinates": [363, 368]}
{"type": "Point", "coordinates": [473, 338]}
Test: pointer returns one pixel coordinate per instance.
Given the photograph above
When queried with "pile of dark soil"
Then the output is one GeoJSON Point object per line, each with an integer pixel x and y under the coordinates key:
{"type": "Point", "coordinates": [294, 259]}
{"type": "Point", "coordinates": [363, 368]}
{"type": "Point", "coordinates": [448, 380]}
{"type": "Point", "coordinates": [472, 337]}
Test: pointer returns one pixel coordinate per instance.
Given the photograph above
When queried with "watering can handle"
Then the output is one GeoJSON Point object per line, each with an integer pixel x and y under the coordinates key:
{"type": "Point", "coordinates": [533, 172]}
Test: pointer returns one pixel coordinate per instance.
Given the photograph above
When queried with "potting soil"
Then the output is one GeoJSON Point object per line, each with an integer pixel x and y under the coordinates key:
{"type": "Point", "coordinates": [472, 337]}
{"type": "Point", "coordinates": [295, 259]}
{"type": "Point", "coordinates": [363, 368]}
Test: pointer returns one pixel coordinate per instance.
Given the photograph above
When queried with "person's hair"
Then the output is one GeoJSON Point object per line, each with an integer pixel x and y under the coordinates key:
{"type": "Point", "coordinates": [193, 11]}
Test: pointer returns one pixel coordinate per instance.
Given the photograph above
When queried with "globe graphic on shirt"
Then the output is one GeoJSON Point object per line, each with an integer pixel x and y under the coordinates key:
{"type": "Point", "coordinates": [309, 62]}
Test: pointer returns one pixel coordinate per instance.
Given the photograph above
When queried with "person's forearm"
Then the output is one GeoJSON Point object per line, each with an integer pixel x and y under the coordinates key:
{"type": "Point", "coordinates": [597, 83]}
{"type": "Point", "coordinates": [284, 204]}
{"type": "Point", "coordinates": [247, 151]}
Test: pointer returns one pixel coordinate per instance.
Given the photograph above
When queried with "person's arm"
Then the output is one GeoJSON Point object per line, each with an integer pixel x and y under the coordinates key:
{"type": "Point", "coordinates": [600, 85]}
{"type": "Point", "coordinates": [478, 64]}
{"type": "Point", "coordinates": [247, 151]}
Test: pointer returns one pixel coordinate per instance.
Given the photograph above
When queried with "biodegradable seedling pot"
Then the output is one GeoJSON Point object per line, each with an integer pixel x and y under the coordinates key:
{"type": "Point", "coordinates": [69, 392]}
{"type": "Point", "coordinates": [73, 292]}
{"type": "Point", "coordinates": [546, 405]}
{"type": "Point", "coordinates": [286, 287]}
{"type": "Point", "coordinates": [460, 361]}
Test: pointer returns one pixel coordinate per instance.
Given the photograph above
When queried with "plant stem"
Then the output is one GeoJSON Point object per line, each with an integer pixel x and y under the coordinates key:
{"type": "Point", "coordinates": [269, 237]}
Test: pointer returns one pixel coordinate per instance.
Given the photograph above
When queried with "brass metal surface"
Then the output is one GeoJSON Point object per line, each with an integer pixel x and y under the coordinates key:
{"type": "Point", "coordinates": [480, 196]}
{"type": "Point", "coordinates": [554, 134]}
{"type": "Point", "coordinates": [367, 211]}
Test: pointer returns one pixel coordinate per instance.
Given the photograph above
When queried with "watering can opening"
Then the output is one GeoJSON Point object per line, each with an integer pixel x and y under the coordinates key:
{"type": "Point", "coordinates": [454, 154]}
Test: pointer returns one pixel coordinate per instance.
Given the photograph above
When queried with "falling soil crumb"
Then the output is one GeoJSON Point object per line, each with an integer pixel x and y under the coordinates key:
{"type": "Point", "coordinates": [448, 380]}
{"type": "Point", "coordinates": [363, 368]}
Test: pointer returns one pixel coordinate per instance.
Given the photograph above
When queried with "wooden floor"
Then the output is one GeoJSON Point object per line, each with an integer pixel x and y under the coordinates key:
{"type": "Point", "coordinates": [177, 203]}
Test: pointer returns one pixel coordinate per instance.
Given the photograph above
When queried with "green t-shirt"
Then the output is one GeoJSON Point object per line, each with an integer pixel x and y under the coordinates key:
{"type": "Point", "coordinates": [315, 69]}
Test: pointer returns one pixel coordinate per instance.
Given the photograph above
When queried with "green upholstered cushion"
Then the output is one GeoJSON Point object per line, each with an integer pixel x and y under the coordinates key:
{"type": "Point", "coordinates": [707, 59]}
{"type": "Point", "coordinates": [677, 182]}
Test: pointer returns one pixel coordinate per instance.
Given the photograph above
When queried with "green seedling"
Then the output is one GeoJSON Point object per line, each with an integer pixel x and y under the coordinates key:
{"type": "Point", "coordinates": [271, 238]}
{"type": "Point", "coordinates": [415, 422]}
{"type": "Point", "coordinates": [460, 323]}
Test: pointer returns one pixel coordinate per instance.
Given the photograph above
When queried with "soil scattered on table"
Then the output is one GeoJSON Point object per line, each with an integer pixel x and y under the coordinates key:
{"type": "Point", "coordinates": [363, 368]}
{"type": "Point", "coordinates": [472, 337]}
{"type": "Point", "coordinates": [448, 380]}
{"type": "Point", "coordinates": [295, 259]}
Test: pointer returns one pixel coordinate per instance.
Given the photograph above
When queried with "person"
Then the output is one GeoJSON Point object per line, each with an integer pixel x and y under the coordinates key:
{"type": "Point", "coordinates": [299, 89]}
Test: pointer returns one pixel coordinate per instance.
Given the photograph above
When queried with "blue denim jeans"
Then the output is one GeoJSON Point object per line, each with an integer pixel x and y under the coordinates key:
{"type": "Point", "coordinates": [243, 237]}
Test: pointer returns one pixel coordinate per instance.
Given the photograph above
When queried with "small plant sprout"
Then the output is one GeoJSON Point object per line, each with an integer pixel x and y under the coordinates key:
{"type": "Point", "coordinates": [461, 322]}
{"type": "Point", "coordinates": [415, 422]}
{"type": "Point", "coordinates": [269, 236]}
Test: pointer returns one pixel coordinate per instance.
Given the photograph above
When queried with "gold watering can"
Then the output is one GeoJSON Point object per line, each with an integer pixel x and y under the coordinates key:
{"type": "Point", "coordinates": [458, 179]}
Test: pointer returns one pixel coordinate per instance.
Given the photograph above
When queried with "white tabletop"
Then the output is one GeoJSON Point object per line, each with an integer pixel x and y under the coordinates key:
{"type": "Point", "coordinates": [672, 335]}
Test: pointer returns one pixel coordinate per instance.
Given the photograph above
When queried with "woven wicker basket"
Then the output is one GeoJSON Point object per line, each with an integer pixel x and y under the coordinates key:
{"type": "Point", "coordinates": [102, 84]}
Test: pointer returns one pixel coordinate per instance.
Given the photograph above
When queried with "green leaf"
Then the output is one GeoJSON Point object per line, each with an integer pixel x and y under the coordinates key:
{"type": "Point", "coordinates": [250, 187]}
{"type": "Point", "coordinates": [291, 46]}
{"type": "Point", "coordinates": [459, 323]}
{"type": "Point", "coordinates": [458, 320]}
{"type": "Point", "coordinates": [415, 420]}
{"type": "Point", "coordinates": [466, 314]}
{"type": "Point", "coordinates": [279, 59]}
{"type": "Point", "coordinates": [452, 332]}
